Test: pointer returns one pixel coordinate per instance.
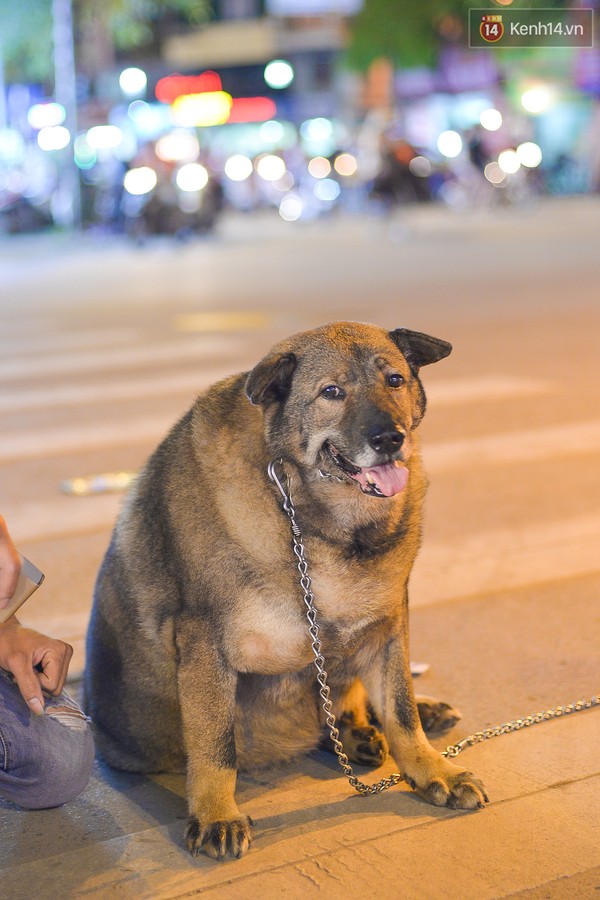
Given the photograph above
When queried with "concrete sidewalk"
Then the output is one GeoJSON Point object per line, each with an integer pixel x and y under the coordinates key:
{"type": "Point", "coordinates": [497, 658]}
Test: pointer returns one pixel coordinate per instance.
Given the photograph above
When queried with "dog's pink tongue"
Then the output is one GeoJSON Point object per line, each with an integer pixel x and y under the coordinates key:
{"type": "Point", "coordinates": [389, 478]}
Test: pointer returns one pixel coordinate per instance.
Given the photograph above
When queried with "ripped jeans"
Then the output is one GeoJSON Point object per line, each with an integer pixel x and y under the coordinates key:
{"type": "Point", "coordinates": [44, 760]}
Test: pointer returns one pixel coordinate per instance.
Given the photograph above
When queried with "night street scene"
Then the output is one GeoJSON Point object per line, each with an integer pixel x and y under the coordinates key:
{"type": "Point", "coordinates": [299, 317]}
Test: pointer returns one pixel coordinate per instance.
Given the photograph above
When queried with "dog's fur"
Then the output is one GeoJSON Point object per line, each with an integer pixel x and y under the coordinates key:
{"type": "Point", "coordinates": [198, 650]}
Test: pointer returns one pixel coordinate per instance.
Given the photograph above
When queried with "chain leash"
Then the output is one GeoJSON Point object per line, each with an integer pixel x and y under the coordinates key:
{"type": "Point", "coordinates": [324, 691]}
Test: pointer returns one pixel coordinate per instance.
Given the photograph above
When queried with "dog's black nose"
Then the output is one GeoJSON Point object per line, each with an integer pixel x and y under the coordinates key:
{"type": "Point", "coordinates": [385, 440]}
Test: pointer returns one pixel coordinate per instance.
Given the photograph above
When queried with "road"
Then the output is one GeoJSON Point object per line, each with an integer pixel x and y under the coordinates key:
{"type": "Point", "coordinates": [103, 346]}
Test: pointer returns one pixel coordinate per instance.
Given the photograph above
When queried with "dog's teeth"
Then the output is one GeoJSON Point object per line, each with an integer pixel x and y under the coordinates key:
{"type": "Point", "coordinates": [369, 478]}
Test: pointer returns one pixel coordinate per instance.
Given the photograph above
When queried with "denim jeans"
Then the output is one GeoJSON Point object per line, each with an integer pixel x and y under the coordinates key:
{"type": "Point", "coordinates": [44, 760]}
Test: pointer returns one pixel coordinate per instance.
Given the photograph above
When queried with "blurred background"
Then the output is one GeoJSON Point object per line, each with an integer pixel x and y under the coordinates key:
{"type": "Point", "coordinates": [140, 117]}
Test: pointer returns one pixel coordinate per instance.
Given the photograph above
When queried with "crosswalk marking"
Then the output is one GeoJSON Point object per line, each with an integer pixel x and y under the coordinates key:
{"type": "Point", "coordinates": [68, 395]}
{"type": "Point", "coordinates": [200, 348]}
{"type": "Point", "coordinates": [455, 392]}
{"type": "Point", "coordinates": [499, 560]}
{"type": "Point", "coordinates": [578, 438]}
{"type": "Point", "coordinates": [25, 343]}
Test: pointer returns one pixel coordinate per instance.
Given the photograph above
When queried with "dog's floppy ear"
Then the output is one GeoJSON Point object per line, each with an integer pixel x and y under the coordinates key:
{"type": "Point", "coordinates": [271, 378]}
{"type": "Point", "coordinates": [418, 348]}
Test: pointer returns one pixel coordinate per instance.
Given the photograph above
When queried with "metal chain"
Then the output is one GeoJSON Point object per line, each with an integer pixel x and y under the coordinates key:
{"type": "Point", "coordinates": [311, 614]}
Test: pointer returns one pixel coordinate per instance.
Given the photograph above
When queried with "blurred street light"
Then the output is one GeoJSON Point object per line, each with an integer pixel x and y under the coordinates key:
{"type": "Point", "coordinates": [278, 74]}
{"type": "Point", "coordinates": [133, 81]}
{"type": "Point", "coordinates": [449, 144]}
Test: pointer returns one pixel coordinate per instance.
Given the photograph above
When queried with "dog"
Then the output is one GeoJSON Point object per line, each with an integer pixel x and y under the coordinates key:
{"type": "Point", "coordinates": [198, 652]}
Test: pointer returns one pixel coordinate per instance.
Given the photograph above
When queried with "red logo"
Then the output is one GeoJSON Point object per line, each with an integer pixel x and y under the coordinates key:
{"type": "Point", "coordinates": [491, 28]}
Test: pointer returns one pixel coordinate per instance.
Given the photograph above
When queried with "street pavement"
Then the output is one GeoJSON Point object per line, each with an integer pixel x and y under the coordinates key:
{"type": "Point", "coordinates": [104, 345]}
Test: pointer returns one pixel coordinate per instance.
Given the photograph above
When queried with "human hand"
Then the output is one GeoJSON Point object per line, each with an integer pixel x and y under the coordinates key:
{"type": "Point", "coordinates": [10, 566]}
{"type": "Point", "coordinates": [22, 650]}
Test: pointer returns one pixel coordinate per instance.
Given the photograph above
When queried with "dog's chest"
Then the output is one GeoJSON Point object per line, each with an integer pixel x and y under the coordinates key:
{"type": "Point", "coordinates": [268, 636]}
{"type": "Point", "coordinates": [268, 632]}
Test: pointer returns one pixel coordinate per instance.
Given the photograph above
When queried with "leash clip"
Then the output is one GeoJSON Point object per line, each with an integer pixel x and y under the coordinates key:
{"type": "Point", "coordinates": [273, 476]}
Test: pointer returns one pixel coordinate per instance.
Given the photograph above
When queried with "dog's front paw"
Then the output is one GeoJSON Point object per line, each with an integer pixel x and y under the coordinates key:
{"type": "Point", "coordinates": [455, 788]}
{"type": "Point", "coordinates": [219, 840]}
{"type": "Point", "coordinates": [436, 716]}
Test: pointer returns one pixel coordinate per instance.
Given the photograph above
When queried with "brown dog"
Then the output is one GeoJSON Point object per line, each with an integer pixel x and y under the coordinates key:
{"type": "Point", "coordinates": [198, 650]}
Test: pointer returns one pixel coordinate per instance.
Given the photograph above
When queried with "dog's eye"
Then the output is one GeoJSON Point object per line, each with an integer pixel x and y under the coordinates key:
{"type": "Point", "coordinates": [333, 392]}
{"type": "Point", "coordinates": [396, 380]}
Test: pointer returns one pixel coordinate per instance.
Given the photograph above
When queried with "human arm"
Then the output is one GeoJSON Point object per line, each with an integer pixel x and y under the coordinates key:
{"type": "Point", "coordinates": [38, 663]}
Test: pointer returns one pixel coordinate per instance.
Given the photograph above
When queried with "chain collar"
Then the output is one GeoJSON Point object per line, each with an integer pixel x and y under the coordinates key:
{"type": "Point", "coordinates": [311, 614]}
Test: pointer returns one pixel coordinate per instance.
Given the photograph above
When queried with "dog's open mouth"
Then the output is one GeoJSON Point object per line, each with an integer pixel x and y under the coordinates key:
{"type": "Point", "coordinates": [385, 480]}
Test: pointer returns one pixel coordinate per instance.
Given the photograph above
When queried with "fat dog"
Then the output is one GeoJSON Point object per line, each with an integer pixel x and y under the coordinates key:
{"type": "Point", "coordinates": [198, 653]}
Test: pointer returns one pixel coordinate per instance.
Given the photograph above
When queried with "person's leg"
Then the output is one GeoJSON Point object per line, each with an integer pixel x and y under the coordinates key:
{"type": "Point", "coordinates": [44, 760]}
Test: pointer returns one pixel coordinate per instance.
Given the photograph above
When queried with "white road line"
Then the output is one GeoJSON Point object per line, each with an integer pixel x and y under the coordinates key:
{"type": "Point", "coordinates": [199, 348]}
{"type": "Point", "coordinates": [65, 515]}
{"type": "Point", "coordinates": [75, 438]}
{"type": "Point", "coordinates": [48, 342]}
{"type": "Point", "coordinates": [579, 438]}
{"type": "Point", "coordinates": [506, 559]}
{"type": "Point", "coordinates": [487, 388]}
{"type": "Point", "coordinates": [68, 395]}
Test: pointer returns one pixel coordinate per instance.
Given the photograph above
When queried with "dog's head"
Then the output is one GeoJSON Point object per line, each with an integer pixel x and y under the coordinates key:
{"type": "Point", "coordinates": [345, 399]}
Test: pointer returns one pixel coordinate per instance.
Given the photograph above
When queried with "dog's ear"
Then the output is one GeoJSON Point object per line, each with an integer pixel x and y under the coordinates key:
{"type": "Point", "coordinates": [271, 378]}
{"type": "Point", "coordinates": [418, 348]}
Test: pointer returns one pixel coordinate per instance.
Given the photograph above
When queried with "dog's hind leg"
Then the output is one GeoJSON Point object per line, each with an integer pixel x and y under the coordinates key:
{"type": "Point", "coordinates": [363, 742]}
{"type": "Point", "coordinates": [436, 716]}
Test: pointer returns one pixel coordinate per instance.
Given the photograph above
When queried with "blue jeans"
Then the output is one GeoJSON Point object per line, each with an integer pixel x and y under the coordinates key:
{"type": "Point", "coordinates": [44, 760]}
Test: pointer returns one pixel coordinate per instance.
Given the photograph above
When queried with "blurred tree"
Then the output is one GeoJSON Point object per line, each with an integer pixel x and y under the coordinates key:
{"type": "Point", "coordinates": [102, 27]}
{"type": "Point", "coordinates": [409, 33]}
{"type": "Point", "coordinates": [26, 38]}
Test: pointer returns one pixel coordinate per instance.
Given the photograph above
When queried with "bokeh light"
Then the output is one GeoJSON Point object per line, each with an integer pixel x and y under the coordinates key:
{"type": "Point", "coordinates": [495, 175]}
{"type": "Point", "coordinates": [53, 137]}
{"type": "Point", "coordinates": [133, 81]}
{"type": "Point", "coordinates": [319, 167]}
{"type": "Point", "coordinates": [178, 146]}
{"type": "Point", "coordinates": [491, 119]}
{"type": "Point", "coordinates": [191, 177]}
{"type": "Point", "coordinates": [203, 110]}
{"type": "Point", "coordinates": [84, 154]}
{"type": "Point", "coordinates": [278, 74]}
{"type": "Point", "coordinates": [327, 190]}
{"type": "Point", "coordinates": [290, 208]}
{"type": "Point", "coordinates": [272, 132]}
{"type": "Point", "coordinates": [140, 181]}
{"type": "Point", "coordinates": [420, 166]}
{"type": "Point", "coordinates": [270, 168]}
{"type": "Point", "coordinates": [529, 154]}
{"type": "Point", "coordinates": [104, 137]}
{"type": "Point", "coordinates": [45, 115]}
{"type": "Point", "coordinates": [509, 162]}
{"type": "Point", "coordinates": [238, 167]}
{"type": "Point", "coordinates": [536, 100]}
{"type": "Point", "coordinates": [449, 144]}
{"type": "Point", "coordinates": [345, 164]}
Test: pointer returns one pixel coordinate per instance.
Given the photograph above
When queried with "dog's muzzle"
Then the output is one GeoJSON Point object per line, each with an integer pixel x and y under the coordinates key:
{"type": "Point", "coordinates": [385, 480]}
